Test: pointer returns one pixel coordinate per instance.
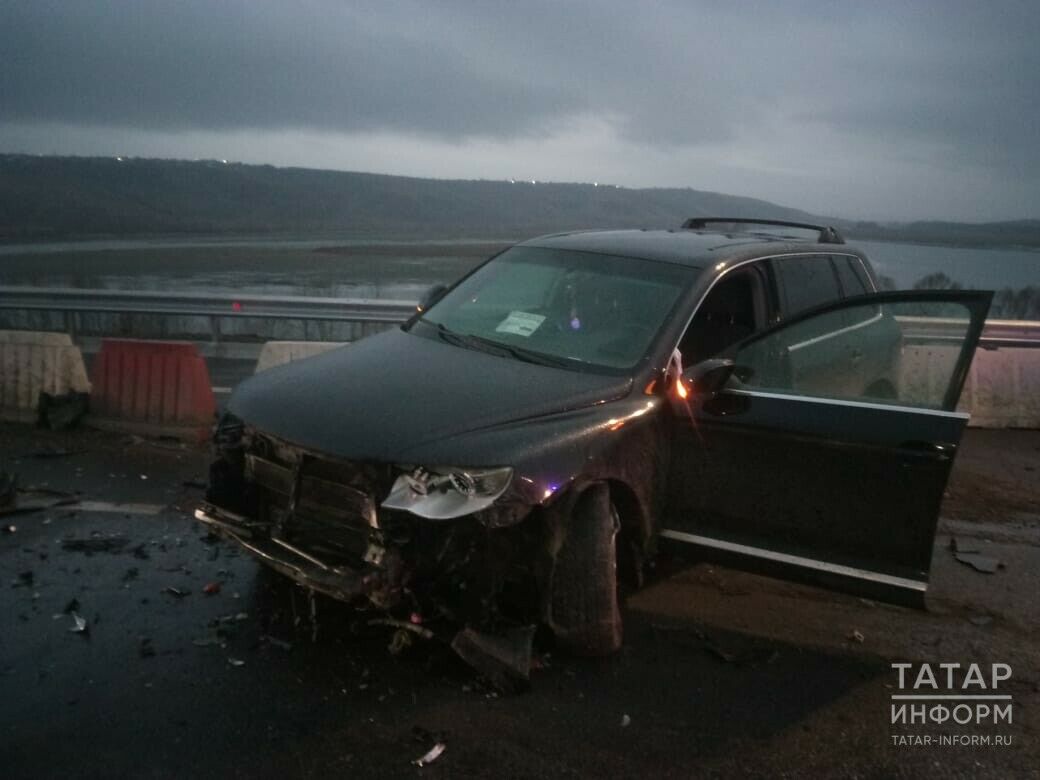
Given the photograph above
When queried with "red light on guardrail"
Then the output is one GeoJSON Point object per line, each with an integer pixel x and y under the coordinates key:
{"type": "Point", "coordinates": [236, 306]}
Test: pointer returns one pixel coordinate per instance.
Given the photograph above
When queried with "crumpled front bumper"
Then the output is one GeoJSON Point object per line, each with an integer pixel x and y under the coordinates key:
{"type": "Point", "coordinates": [339, 582]}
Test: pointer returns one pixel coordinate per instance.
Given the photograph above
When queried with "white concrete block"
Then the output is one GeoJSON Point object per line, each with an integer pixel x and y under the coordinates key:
{"type": "Point", "coordinates": [32, 362]}
{"type": "Point", "coordinates": [276, 353]}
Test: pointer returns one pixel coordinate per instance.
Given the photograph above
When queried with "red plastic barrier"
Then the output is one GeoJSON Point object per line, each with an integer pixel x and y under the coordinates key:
{"type": "Point", "coordinates": [158, 388]}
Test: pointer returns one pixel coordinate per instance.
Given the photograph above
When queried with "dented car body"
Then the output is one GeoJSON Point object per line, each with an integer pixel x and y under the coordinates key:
{"type": "Point", "coordinates": [581, 399]}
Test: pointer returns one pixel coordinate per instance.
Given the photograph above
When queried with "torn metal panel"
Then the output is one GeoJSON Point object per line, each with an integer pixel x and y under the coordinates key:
{"type": "Point", "coordinates": [504, 659]}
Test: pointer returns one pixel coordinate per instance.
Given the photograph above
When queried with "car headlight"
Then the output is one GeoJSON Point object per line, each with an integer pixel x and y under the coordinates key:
{"type": "Point", "coordinates": [443, 493]}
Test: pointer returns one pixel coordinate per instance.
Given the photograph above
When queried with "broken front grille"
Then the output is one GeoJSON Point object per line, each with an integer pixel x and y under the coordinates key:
{"type": "Point", "coordinates": [325, 507]}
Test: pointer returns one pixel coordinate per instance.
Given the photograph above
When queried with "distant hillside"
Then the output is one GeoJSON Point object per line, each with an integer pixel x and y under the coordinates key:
{"type": "Point", "coordinates": [91, 197]}
{"type": "Point", "coordinates": [1023, 232]}
{"type": "Point", "coordinates": [52, 197]}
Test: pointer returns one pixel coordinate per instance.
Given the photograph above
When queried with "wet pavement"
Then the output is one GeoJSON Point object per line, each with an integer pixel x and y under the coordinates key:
{"type": "Point", "coordinates": [721, 673]}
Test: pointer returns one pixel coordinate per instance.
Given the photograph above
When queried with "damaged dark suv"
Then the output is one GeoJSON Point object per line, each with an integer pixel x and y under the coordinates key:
{"type": "Point", "coordinates": [535, 433]}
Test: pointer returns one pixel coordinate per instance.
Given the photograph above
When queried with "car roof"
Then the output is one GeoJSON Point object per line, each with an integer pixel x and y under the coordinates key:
{"type": "Point", "coordinates": [694, 248]}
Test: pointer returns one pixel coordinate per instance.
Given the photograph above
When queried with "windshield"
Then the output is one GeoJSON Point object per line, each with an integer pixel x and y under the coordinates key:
{"type": "Point", "coordinates": [576, 309]}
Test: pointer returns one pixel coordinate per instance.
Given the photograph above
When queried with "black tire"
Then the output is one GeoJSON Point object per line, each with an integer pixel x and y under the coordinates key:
{"type": "Point", "coordinates": [585, 615]}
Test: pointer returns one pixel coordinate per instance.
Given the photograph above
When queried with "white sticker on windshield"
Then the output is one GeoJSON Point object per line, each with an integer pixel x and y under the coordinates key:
{"type": "Point", "coordinates": [520, 323]}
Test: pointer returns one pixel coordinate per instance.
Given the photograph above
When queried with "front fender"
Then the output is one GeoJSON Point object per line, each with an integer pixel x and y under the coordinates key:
{"type": "Point", "coordinates": [621, 441]}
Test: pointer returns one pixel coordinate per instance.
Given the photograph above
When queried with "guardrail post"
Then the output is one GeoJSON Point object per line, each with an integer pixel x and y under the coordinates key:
{"type": "Point", "coordinates": [214, 326]}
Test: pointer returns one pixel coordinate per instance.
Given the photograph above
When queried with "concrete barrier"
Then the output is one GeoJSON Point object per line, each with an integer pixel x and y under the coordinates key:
{"type": "Point", "coordinates": [276, 353]}
{"type": "Point", "coordinates": [155, 388]}
{"type": "Point", "coordinates": [33, 362]}
{"type": "Point", "coordinates": [1002, 389]}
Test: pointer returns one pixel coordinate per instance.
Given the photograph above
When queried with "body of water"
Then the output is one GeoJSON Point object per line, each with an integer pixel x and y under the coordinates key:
{"type": "Point", "coordinates": [400, 269]}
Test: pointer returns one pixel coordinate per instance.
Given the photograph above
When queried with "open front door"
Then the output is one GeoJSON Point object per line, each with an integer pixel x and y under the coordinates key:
{"type": "Point", "coordinates": [825, 457]}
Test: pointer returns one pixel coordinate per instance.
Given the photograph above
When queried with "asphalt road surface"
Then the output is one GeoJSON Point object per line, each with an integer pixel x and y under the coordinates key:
{"type": "Point", "coordinates": [722, 674]}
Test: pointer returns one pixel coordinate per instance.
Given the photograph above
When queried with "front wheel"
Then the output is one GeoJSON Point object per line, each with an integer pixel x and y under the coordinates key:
{"type": "Point", "coordinates": [584, 610]}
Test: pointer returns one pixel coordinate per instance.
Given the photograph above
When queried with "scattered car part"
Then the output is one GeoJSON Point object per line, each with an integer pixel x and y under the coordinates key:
{"type": "Point", "coordinates": [504, 659]}
{"type": "Point", "coordinates": [431, 755]}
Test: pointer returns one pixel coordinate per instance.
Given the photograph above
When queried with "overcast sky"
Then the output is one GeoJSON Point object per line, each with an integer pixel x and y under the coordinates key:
{"type": "Point", "coordinates": [916, 109]}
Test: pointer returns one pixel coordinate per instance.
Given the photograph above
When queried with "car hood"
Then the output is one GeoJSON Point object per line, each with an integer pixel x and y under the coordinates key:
{"type": "Point", "coordinates": [392, 392]}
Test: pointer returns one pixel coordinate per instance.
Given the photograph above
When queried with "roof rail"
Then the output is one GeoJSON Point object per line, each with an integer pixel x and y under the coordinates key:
{"type": "Point", "coordinates": [828, 235]}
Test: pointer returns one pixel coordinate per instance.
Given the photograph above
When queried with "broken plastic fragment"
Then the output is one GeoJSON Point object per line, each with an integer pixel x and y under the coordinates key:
{"type": "Point", "coordinates": [79, 624]}
{"type": "Point", "coordinates": [236, 662]}
{"type": "Point", "coordinates": [431, 755]}
{"type": "Point", "coordinates": [982, 563]}
{"type": "Point", "coordinates": [211, 588]}
{"type": "Point", "coordinates": [505, 660]}
{"type": "Point", "coordinates": [281, 643]}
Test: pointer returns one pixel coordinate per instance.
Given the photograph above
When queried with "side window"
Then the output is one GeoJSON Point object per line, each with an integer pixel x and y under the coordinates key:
{"type": "Point", "coordinates": [904, 353]}
{"type": "Point", "coordinates": [852, 283]}
{"type": "Point", "coordinates": [806, 282]}
{"type": "Point", "coordinates": [731, 311]}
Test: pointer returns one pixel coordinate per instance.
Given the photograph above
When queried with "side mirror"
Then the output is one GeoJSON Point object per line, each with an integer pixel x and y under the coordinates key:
{"type": "Point", "coordinates": [431, 297]}
{"type": "Point", "coordinates": [705, 379]}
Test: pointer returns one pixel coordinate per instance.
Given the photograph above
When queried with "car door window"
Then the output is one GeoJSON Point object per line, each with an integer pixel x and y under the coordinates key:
{"type": "Point", "coordinates": [851, 283]}
{"type": "Point", "coordinates": [731, 311]}
{"type": "Point", "coordinates": [806, 282]}
{"type": "Point", "coordinates": [900, 352]}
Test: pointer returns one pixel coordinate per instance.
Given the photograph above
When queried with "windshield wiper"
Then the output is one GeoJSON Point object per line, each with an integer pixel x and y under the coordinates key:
{"type": "Point", "coordinates": [491, 346]}
{"type": "Point", "coordinates": [466, 340]}
{"type": "Point", "coordinates": [523, 353]}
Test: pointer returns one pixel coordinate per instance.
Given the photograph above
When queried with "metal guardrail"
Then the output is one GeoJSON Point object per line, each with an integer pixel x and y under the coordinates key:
{"type": "Point", "coordinates": [997, 333]}
{"type": "Point", "coordinates": [202, 304]}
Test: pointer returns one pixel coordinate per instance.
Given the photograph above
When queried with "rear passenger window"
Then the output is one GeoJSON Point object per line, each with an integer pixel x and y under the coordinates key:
{"type": "Point", "coordinates": [851, 282]}
{"type": "Point", "coordinates": [806, 282]}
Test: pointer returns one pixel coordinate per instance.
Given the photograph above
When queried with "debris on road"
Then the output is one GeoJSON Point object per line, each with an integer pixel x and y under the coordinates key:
{"type": "Point", "coordinates": [626, 721]}
{"type": "Point", "coordinates": [431, 755]}
{"type": "Point", "coordinates": [280, 643]}
{"type": "Point", "coordinates": [855, 636]}
{"type": "Point", "coordinates": [403, 625]}
{"type": "Point", "coordinates": [45, 453]}
{"type": "Point", "coordinates": [719, 652]}
{"type": "Point", "coordinates": [505, 660]}
{"type": "Point", "coordinates": [95, 544]}
{"type": "Point", "coordinates": [178, 592]}
{"type": "Point", "coordinates": [211, 588]}
{"type": "Point", "coordinates": [79, 624]}
{"type": "Point", "coordinates": [236, 662]}
{"type": "Point", "coordinates": [17, 501]}
{"type": "Point", "coordinates": [10, 529]}
{"type": "Point", "coordinates": [144, 648]}
{"type": "Point", "coordinates": [981, 563]}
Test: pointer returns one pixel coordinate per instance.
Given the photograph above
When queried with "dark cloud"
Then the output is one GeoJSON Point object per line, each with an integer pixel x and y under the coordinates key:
{"type": "Point", "coordinates": [946, 83]}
